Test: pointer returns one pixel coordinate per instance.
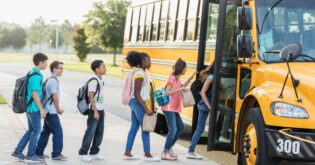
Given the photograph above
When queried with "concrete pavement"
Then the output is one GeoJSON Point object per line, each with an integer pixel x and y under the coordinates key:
{"type": "Point", "coordinates": [116, 130]}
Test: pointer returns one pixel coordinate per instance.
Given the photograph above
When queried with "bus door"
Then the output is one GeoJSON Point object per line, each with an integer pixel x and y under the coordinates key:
{"type": "Point", "coordinates": [221, 124]}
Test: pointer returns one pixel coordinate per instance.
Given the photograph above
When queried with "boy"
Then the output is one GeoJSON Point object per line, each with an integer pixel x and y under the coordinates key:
{"type": "Point", "coordinates": [34, 113]}
{"type": "Point", "coordinates": [95, 121]}
{"type": "Point", "coordinates": [52, 108]}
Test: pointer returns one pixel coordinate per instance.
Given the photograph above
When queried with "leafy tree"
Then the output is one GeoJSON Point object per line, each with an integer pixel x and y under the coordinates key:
{"type": "Point", "coordinates": [38, 32]}
{"type": "Point", "coordinates": [18, 38]}
{"type": "Point", "coordinates": [4, 38]}
{"type": "Point", "coordinates": [80, 45]}
{"type": "Point", "coordinates": [105, 24]}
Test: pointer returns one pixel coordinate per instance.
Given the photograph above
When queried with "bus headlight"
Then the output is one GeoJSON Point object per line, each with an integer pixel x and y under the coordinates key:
{"type": "Point", "coordinates": [287, 110]}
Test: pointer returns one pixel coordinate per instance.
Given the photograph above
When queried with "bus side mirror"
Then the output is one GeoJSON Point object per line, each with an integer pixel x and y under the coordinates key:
{"type": "Point", "coordinates": [245, 46]}
{"type": "Point", "coordinates": [244, 18]}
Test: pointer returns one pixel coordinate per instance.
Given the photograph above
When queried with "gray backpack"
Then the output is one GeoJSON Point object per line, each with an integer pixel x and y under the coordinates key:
{"type": "Point", "coordinates": [19, 102]}
{"type": "Point", "coordinates": [83, 98]}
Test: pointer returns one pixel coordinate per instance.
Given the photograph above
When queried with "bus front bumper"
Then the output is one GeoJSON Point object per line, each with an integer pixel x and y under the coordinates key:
{"type": "Point", "coordinates": [282, 146]}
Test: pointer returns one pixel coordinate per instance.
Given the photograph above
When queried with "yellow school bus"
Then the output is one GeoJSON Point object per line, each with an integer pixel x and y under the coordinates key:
{"type": "Point", "coordinates": [263, 53]}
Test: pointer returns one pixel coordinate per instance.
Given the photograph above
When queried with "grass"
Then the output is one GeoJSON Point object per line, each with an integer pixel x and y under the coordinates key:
{"type": "Point", "coordinates": [2, 100]}
{"type": "Point", "coordinates": [71, 61]}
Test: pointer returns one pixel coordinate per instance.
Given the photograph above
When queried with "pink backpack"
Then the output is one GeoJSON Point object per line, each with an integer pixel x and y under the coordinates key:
{"type": "Point", "coordinates": [127, 88]}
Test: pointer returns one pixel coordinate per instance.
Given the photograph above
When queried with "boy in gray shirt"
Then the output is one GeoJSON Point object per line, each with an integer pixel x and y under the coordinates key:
{"type": "Point", "coordinates": [51, 96]}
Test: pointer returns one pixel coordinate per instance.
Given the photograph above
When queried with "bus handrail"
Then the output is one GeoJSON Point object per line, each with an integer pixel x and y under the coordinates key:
{"type": "Point", "coordinates": [284, 132]}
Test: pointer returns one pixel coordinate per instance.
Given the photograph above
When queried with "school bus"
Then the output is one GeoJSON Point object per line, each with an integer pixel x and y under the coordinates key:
{"type": "Point", "coordinates": [263, 53]}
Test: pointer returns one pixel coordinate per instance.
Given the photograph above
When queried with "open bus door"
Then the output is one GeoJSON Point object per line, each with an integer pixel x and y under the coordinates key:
{"type": "Point", "coordinates": [221, 123]}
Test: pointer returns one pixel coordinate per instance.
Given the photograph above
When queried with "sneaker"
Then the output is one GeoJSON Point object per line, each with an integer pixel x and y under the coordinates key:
{"type": "Point", "coordinates": [172, 153]}
{"type": "Point", "coordinates": [60, 157]}
{"type": "Point", "coordinates": [34, 160]}
{"type": "Point", "coordinates": [167, 156]}
{"type": "Point", "coordinates": [86, 158]}
{"type": "Point", "coordinates": [43, 156]}
{"type": "Point", "coordinates": [151, 159]}
{"type": "Point", "coordinates": [97, 157]}
{"type": "Point", "coordinates": [17, 157]}
{"type": "Point", "coordinates": [224, 139]}
{"type": "Point", "coordinates": [131, 157]}
{"type": "Point", "coordinates": [192, 155]}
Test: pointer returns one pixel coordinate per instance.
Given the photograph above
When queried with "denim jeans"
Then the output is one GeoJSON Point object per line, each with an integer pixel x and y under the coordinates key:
{"type": "Point", "coordinates": [137, 113]}
{"type": "Point", "coordinates": [202, 117]}
{"type": "Point", "coordinates": [51, 126]}
{"type": "Point", "coordinates": [32, 134]}
{"type": "Point", "coordinates": [175, 128]}
{"type": "Point", "coordinates": [94, 131]}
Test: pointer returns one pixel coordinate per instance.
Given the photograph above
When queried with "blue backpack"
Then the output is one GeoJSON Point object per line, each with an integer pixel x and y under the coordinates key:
{"type": "Point", "coordinates": [160, 97]}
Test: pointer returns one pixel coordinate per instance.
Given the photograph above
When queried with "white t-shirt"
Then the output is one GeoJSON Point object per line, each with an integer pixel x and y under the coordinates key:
{"type": "Point", "coordinates": [145, 89]}
{"type": "Point", "coordinates": [99, 103]}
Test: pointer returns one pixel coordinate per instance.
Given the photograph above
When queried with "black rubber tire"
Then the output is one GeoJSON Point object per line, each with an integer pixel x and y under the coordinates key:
{"type": "Point", "coordinates": [254, 117]}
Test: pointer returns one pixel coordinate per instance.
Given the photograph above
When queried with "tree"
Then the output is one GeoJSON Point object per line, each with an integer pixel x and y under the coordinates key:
{"type": "Point", "coordinates": [38, 32]}
{"type": "Point", "coordinates": [105, 24]}
{"type": "Point", "coordinates": [4, 38]}
{"type": "Point", "coordinates": [66, 31]}
{"type": "Point", "coordinates": [80, 45]}
{"type": "Point", "coordinates": [18, 38]}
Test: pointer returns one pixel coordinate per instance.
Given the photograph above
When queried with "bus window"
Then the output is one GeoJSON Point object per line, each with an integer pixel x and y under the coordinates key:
{"type": "Point", "coordinates": [181, 19]}
{"type": "Point", "coordinates": [163, 20]}
{"type": "Point", "coordinates": [128, 25]}
{"type": "Point", "coordinates": [211, 33]}
{"type": "Point", "coordinates": [135, 23]}
{"type": "Point", "coordinates": [171, 19]}
{"type": "Point", "coordinates": [191, 18]}
{"type": "Point", "coordinates": [157, 8]}
{"type": "Point", "coordinates": [199, 18]}
{"type": "Point", "coordinates": [142, 23]}
{"type": "Point", "coordinates": [148, 23]}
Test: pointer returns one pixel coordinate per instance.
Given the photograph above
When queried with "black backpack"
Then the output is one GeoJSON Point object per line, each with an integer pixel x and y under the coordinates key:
{"type": "Point", "coordinates": [19, 101]}
{"type": "Point", "coordinates": [83, 98]}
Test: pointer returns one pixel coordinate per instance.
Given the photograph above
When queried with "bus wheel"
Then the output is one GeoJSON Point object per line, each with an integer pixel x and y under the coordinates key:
{"type": "Point", "coordinates": [253, 143]}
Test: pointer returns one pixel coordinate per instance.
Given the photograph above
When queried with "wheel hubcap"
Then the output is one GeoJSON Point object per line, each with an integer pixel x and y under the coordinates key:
{"type": "Point", "coordinates": [250, 145]}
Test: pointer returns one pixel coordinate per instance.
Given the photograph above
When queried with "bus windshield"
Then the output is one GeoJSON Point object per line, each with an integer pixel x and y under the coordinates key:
{"type": "Point", "coordinates": [283, 22]}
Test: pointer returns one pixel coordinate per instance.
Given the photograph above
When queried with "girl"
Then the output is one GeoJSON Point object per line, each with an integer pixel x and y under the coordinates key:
{"type": "Point", "coordinates": [173, 108]}
{"type": "Point", "coordinates": [139, 95]}
{"type": "Point", "coordinates": [206, 97]}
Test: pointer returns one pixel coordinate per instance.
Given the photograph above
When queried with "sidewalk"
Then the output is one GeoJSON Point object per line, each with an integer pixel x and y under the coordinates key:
{"type": "Point", "coordinates": [74, 124]}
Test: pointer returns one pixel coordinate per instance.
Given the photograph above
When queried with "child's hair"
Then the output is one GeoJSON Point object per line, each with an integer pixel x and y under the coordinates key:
{"type": "Point", "coordinates": [54, 65]}
{"type": "Point", "coordinates": [179, 66]}
{"type": "Point", "coordinates": [134, 59]}
{"type": "Point", "coordinates": [39, 57]}
{"type": "Point", "coordinates": [96, 64]}
{"type": "Point", "coordinates": [208, 70]}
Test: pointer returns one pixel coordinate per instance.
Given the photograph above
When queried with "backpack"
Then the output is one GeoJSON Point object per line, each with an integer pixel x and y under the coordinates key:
{"type": "Point", "coordinates": [44, 101]}
{"type": "Point", "coordinates": [83, 97]}
{"type": "Point", "coordinates": [19, 101]}
{"type": "Point", "coordinates": [160, 97]}
{"type": "Point", "coordinates": [127, 88]}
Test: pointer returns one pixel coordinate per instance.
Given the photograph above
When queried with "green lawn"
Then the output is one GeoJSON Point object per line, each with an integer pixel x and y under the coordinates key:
{"type": "Point", "coordinates": [2, 100]}
{"type": "Point", "coordinates": [71, 61]}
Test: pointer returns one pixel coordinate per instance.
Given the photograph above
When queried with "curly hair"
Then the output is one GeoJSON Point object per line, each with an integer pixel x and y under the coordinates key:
{"type": "Point", "coordinates": [134, 59]}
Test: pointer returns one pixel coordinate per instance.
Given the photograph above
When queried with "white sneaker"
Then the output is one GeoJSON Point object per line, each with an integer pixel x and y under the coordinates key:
{"type": "Point", "coordinates": [224, 139]}
{"type": "Point", "coordinates": [131, 157]}
{"type": "Point", "coordinates": [152, 159]}
{"type": "Point", "coordinates": [97, 157]}
{"type": "Point", "coordinates": [86, 158]}
{"type": "Point", "coordinates": [192, 155]}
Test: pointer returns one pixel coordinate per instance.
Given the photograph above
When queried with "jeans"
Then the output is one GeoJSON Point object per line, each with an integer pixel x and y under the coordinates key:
{"type": "Point", "coordinates": [137, 113]}
{"type": "Point", "coordinates": [175, 128]}
{"type": "Point", "coordinates": [202, 117]}
{"type": "Point", "coordinates": [51, 126]}
{"type": "Point", "coordinates": [32, 134]}
{"type": "Point", "coordinates": [94, 131]}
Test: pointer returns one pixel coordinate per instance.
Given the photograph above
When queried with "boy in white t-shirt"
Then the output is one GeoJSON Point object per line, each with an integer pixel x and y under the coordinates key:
{"type": "Point", "coordinates": [95, 121]}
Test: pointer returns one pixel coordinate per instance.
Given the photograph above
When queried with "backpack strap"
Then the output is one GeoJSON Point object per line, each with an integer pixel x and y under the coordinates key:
{"type": "Point", "coordinates": [98, 87]}
{"type": "Point", "coordinates": [50, 99]}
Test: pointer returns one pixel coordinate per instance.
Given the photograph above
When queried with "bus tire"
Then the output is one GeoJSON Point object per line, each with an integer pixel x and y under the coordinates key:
{"type": "Point", "coordinates": [253, 149]}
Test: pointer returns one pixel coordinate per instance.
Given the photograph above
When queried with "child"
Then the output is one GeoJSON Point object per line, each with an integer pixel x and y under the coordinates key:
{"type": "Point", "coordinates": [95, 121]}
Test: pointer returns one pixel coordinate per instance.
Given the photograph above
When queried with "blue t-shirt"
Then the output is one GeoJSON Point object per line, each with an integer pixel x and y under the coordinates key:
{"type": "Point", "coordinates": [34, 83]}
{"type": "Point", "coordinates": [210, 77]}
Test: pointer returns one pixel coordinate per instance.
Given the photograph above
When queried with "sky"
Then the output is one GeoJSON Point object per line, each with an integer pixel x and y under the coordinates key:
{"type": "Point", "coordinates": [24, 12]}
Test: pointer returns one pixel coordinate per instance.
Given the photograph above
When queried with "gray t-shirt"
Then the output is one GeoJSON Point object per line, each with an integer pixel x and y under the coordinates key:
{"type": "Point", "coordinates": [51, 87]}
